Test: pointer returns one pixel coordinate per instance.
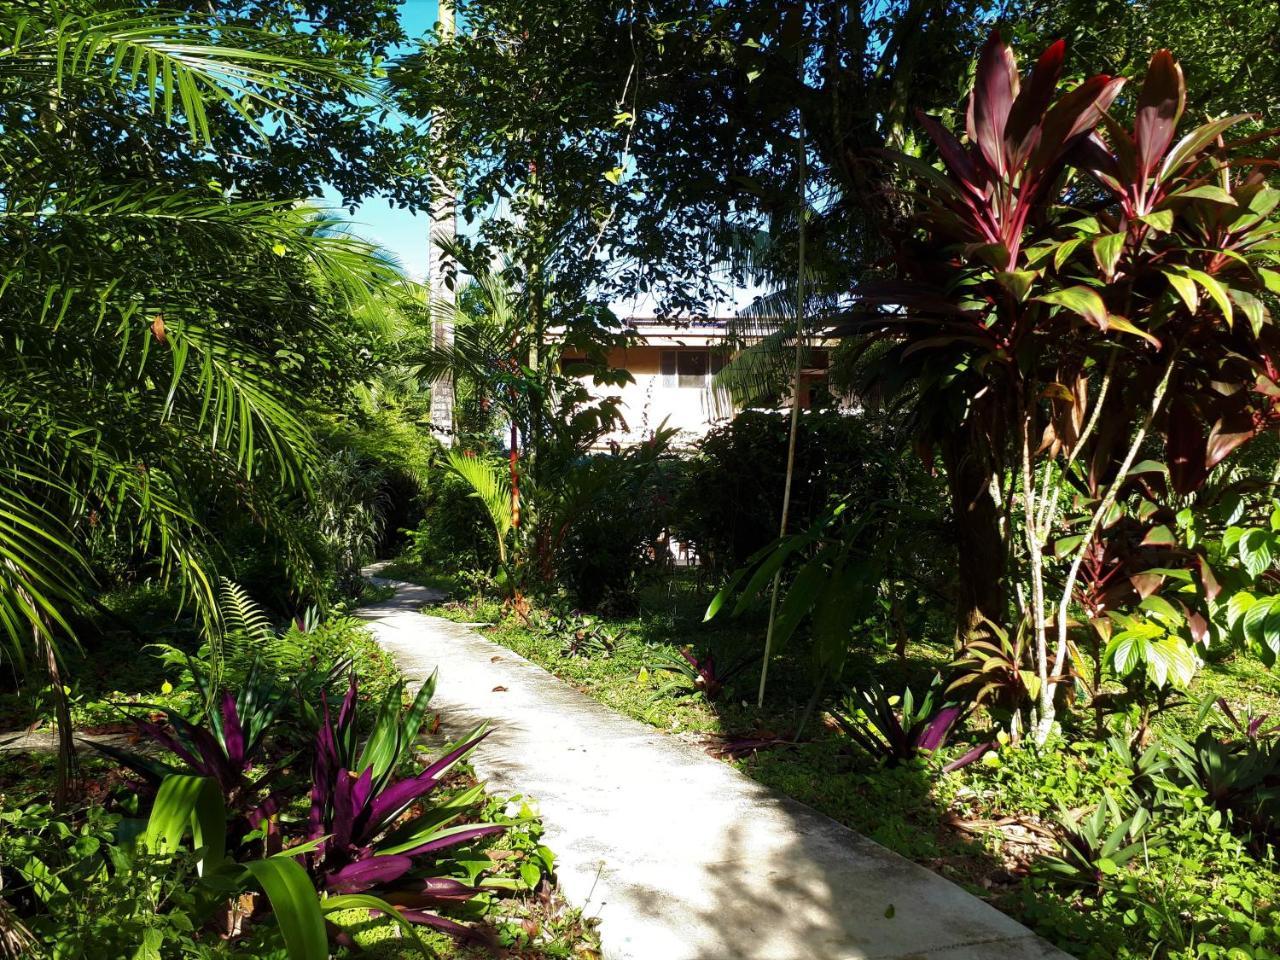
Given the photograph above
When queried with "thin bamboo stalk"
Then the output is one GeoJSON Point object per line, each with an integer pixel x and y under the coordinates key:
{"type": "Point", "coordinates": [795, 412]}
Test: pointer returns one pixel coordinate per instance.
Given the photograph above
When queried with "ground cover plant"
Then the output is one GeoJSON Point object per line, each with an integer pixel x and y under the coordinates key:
{"type": "Point", "coordinates": [229, 824]}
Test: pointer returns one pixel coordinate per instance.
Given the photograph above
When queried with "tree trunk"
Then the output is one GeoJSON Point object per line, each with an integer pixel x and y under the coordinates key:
{"type": "Point", "coordinates": [980, 543]}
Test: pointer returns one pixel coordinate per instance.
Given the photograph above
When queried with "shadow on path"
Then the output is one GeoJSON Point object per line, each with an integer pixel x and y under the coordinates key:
{"type": "Point", "coordinates": [679, 855]}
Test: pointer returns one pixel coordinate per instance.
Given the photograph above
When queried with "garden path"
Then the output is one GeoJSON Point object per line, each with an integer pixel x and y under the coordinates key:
{"type": "Point", "coordinates": [680, 856]}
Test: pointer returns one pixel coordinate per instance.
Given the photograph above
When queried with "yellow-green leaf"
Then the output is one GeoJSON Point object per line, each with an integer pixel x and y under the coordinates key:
{"type": "Point", "coordinates": [1120, 323]}
{"type": "Point", "coordinates": [1215, 290]}
{"type": "Point", "coordinates": [1081, 300]}
{"type": "Point", "coordinates": [1106, 250]}
{"type": "Point", "coordinates": [1159, 220]}
{"type": "Point", "coordinates": [1185, 288]}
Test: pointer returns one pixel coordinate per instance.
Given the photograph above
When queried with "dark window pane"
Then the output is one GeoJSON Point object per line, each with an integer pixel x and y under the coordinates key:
{"type": "Point", "coordinates": [668, 368]}
{"type": "Point", "coordinates": [692, 366]}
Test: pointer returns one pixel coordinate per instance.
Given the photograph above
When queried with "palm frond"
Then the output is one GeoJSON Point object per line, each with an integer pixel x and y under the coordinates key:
{"type": "Point", "coordinates": [180, 65]}
{"type": "Point", "coordinates": [489, 485]}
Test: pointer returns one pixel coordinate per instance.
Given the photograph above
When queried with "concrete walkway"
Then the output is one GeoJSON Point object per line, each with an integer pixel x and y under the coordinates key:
{"type": "Point", "coordinates": [680, 856]}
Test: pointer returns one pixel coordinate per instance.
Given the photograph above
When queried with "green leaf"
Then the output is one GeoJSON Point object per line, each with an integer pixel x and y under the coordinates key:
{"type": "Point", "coordinates": [1115, 322]}
{"type": "Point", "coordinates": [1185, 288]}
{"type": "Point", "coordinates": [1215, 290]}
{"type": "Point", "coordinates": [1260, 627]}
{"type": "Point", "coordinates": [1270, 279]}
{"type": "Point", "coordinates": [724, 593]}
{"type": "Point", "coordinates": [1160, 536]}
{"type": "Point", "coordinates": [846, 600]}
{"type": "Point", "coordinates": [1124, 653]}
{"type": "Point", "coordinates": [1193, 142]}
{"type": "Point", "coordinates": [1065, 545]}
{"type": "Point", "coordinates": [1017, 282]}
{"type": "Point", "coordinates": [1170, 660]}
{"type": "Point", "coordinates": [295, 906]}
{"type": "Point", "coordinates": [1065, 249]}
{"type": "Point", "coordinates": [799, 601]}
{"type": "Point", "coordinates": [189, 803]}
{"type": "Point", "coordinates": [1106, 251]}
{"type": "Point", "coordinates": [1159, 220]}
{"type": "Point", "coordinates": [1255, 551]}
{"type": "Point", "coordinates": [1253, 308]}
{"type": "Point", "coordinates": [1080, 300]}
{"type": "Point", "coordinates": [1207, 192]}
{"type": "Point", "coordinates": [614, 176]}
{"type": "Point", "coordinates": [1163, 611]}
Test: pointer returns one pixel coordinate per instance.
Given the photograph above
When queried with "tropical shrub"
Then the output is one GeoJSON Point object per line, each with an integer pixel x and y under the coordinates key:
{"type": "Point", "coordinates": [454, 531]}
{"type": "Point", "coordinates": [1085, 312]}
{"type": "Point", "coordinates": [608, 523]}
{"type": "Point", "coordinates": [729, 501]}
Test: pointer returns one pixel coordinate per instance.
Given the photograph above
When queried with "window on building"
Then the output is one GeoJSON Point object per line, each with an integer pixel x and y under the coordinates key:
{"type": "Point", "coordinates": [689, 369]}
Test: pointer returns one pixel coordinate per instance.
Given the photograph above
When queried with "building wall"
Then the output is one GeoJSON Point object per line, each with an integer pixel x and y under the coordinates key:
{"type": "Point", "coordinates": [647, 401]}
{"type": "Point", "coordinates": [680, 394]}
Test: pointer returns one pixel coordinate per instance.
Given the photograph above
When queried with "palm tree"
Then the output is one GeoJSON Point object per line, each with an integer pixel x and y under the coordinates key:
{"type": "Point", "coordinates": [486, 362]}
{"type": "Point", "coordinates": [141, 320]}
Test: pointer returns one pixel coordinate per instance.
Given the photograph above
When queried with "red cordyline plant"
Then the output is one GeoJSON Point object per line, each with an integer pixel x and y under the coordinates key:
{"type": "Point", "coordinates": [1071, 274]}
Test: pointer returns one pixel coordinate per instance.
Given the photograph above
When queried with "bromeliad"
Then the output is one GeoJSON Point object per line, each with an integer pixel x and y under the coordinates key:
{"type": "Point", "coordinates": [372, 831]}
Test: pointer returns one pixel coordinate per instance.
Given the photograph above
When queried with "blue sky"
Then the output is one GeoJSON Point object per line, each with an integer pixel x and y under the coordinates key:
{"type": "Point", "coordinates": [401, 232]}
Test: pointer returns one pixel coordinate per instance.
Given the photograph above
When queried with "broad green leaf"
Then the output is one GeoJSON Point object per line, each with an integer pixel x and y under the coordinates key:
{"type": "Point", "coordinates": [1207, 192]}
{"type": "Point", "coordinates": [1253, 308]}
{"type": "Point", "coordinates": [1162, 610]}
{"type": "Point", "coordinates": [724, 593]}
{"type": "Point", "coordinates": [1170, 660]}
{"type": "Point", "coordinates": [1107, 250]}
{"type": "Point", "coordinates": [1159, 220]}
{"type": "Point", "coordinates": [1186, 148]}
{"type": "Point", "coordinates": [1270, 279]}
{"type": "Point", "coordinates": [295, 906]}
{"type": "Point", "coordinates": [1125, 653]}
{"type": "Point", "coordinates": [1017, 282]}
{"type": "Point", "coordinates": [1080, 300]}
{"type": "Point", "coordinates": [1255, 551]}
{"type": "Point", "coordinates": [1067, 545]}
{"type": "Point", "coordinates": [1215, 290]}
{"type": "Point", "coordinates": [845, 600]}
{"type": "Point", "coordinates": [799, 601]}
{"type": "Point", "coordinates": [1185, 288]}
{"type": "Point", "coordinates": [765, 572]}
{"type": "Point", "coordinates": [186, 803]}
{"type": "Point", "coordinates": [1065, 249]}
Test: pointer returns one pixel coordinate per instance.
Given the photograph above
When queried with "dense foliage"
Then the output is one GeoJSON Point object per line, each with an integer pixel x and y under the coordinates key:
{"type": "Point", "coordinates": [1025, 588]}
